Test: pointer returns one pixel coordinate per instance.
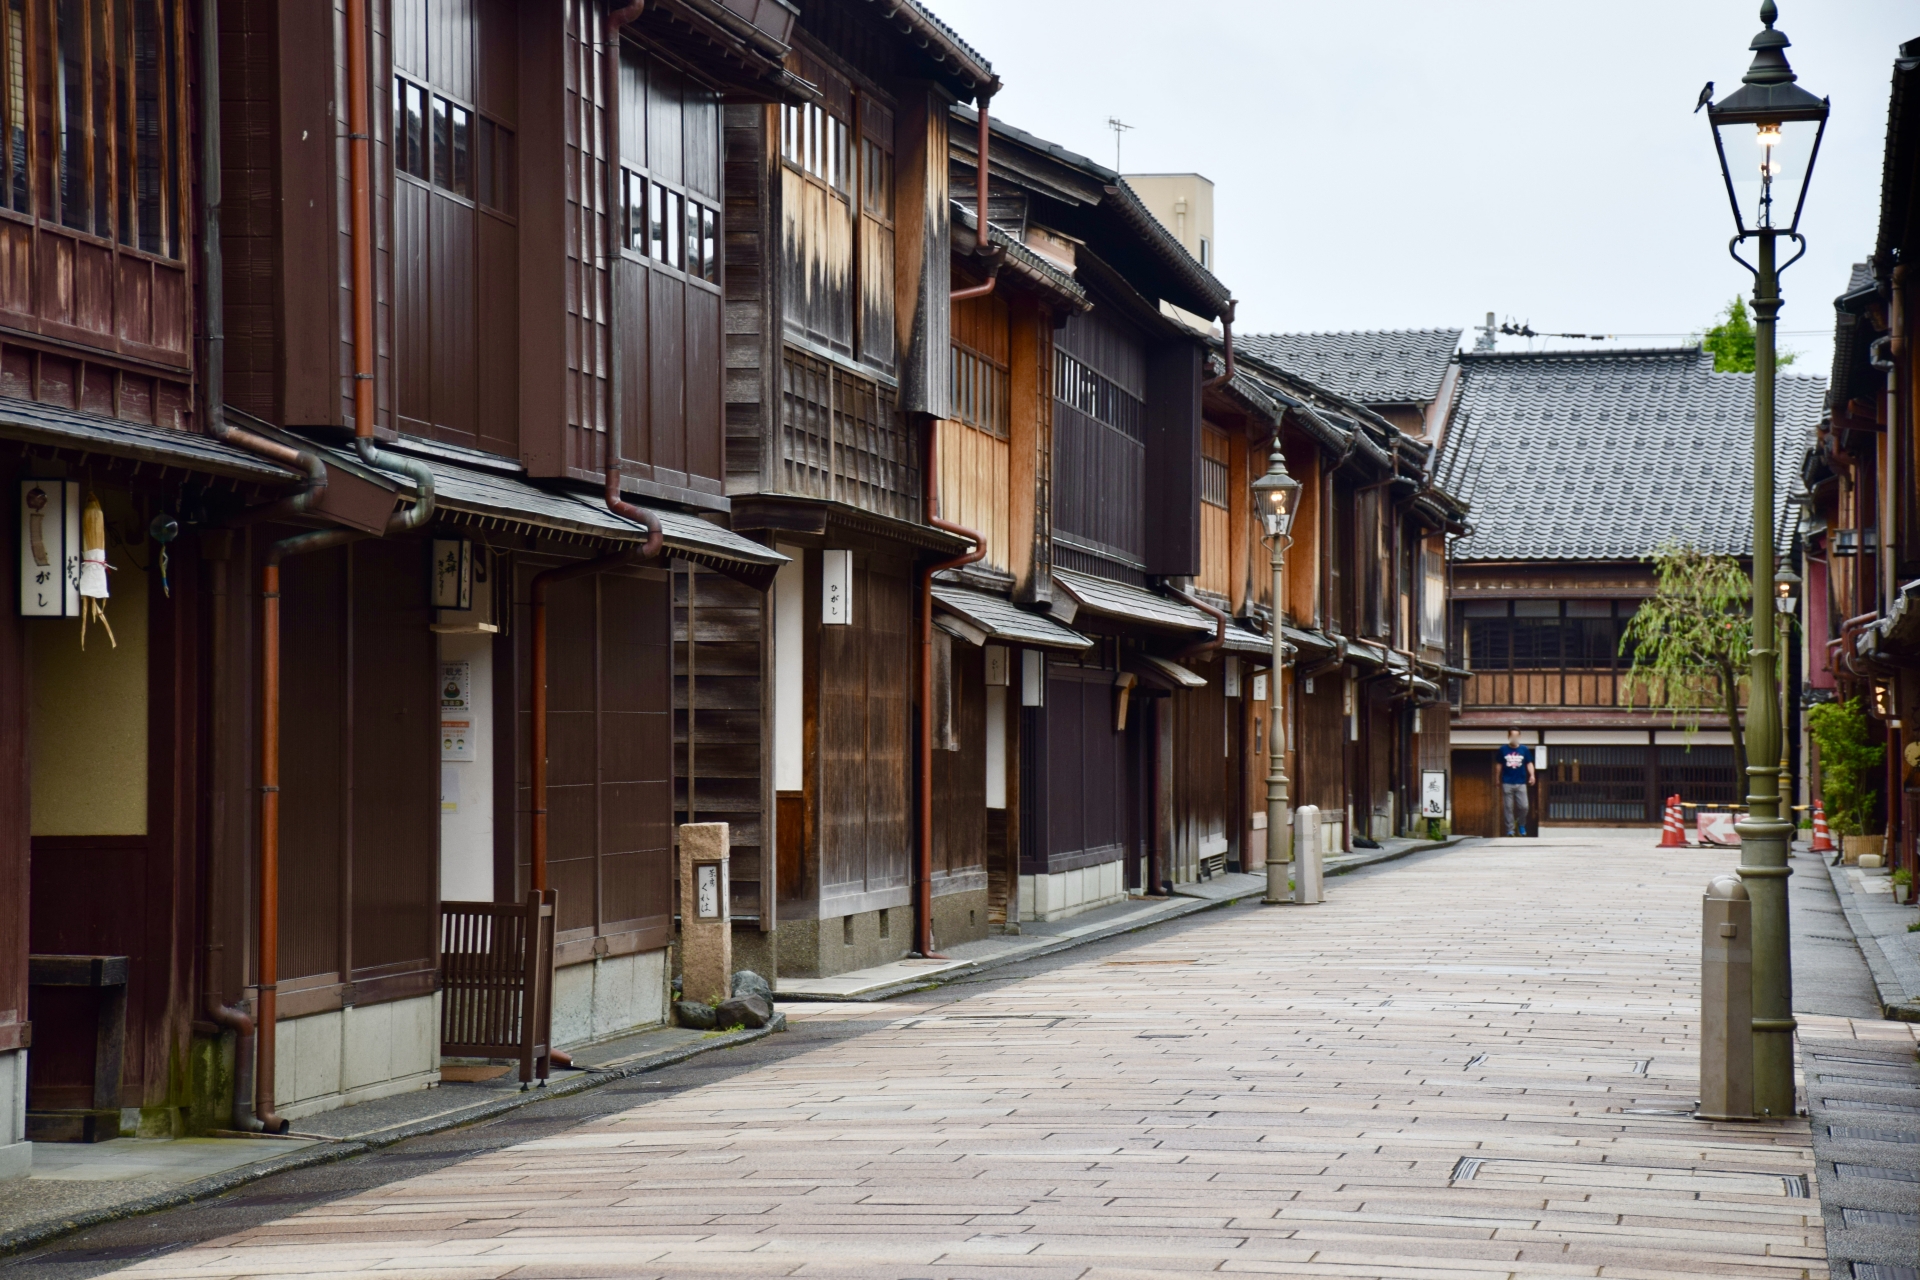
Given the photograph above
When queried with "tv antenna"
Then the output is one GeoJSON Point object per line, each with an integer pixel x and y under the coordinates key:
{"type": "Point", "coordinates": [1119, 127]}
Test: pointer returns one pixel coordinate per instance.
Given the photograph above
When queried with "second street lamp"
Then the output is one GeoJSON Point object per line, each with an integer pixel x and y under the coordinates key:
{"type": "Point", "coordinates": [1277, 494]}
{"type": "Point", "coordinates": [1782, 115]}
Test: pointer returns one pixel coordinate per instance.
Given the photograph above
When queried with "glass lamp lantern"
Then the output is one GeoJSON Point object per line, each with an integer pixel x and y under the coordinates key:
{"type": "Point", "coordinates": [1786, 591]}
{"type": "Point", "coordinates": [1767, 133]}
{"type": "Point", "coordinates": [1278, 494]}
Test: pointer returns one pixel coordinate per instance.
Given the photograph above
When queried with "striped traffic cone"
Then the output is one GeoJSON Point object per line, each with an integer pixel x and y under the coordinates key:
{"type": "Point", "coordinates": [1670, 837]}
{"type": "Point", "coordinates": [1822, 838]}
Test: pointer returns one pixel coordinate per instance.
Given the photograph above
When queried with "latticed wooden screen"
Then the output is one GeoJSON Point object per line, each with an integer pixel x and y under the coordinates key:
{"type": "Point", "coordinates": [842, 439]}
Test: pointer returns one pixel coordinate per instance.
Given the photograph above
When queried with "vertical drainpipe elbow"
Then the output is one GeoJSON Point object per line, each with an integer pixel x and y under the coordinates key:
{"type": "Point", "coordinates": [1203, 649]}
{"type": "Point", "coordinates": [988, 252]}
{"type": "Point", "coordinates": [616, 436]}
{"type": "Point", "coordinates": [1226, 342]}
{"type": "Point", "coordinates": [213, 289]}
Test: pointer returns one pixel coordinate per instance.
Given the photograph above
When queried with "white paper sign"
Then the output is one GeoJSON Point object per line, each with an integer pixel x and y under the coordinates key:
{"type": "Point", "coordinates": [1260, 688]}
{"type": "Point", "coordinates": [456, 711]}
{"type": "Point", "coordinates": [1433, 793]}
{"type": "Point", "coordinates": [836, 588]}
{"type": "Point", "coordinates": [49, 549]}
{"type": "Point", "coordinates": [996, 656]}
{"type": "Point", "coordinates": [706, 887]}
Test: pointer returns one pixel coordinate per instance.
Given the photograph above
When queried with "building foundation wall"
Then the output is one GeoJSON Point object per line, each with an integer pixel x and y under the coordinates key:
{"type": "Point", "coordinates": [1068, 893]}
{"type": "Point", "coordinates": [608, 996]}
{"type": "Point", "coordinates": [357, 1054]}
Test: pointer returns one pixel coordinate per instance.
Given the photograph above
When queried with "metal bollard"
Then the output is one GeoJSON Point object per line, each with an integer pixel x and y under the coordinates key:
{"type": "Point", "coordinates": [1726, 1001]}
{"type": "Point", "coordinates": [1306, 856]}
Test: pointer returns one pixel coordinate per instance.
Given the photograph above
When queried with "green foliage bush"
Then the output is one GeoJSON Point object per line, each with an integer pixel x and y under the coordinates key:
{"type": "Point", "coordinates": [1847, 761]}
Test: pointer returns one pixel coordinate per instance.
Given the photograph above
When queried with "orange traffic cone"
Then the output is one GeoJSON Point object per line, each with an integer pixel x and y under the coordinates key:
{"type": "Point", "coordinates": [1670, 837]}
{"type": "Point", "coordinates": [1822, 839]}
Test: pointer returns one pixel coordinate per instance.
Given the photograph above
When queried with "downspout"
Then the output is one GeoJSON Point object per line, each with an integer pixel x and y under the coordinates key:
{"type": "Point", "coordinates": [213, 286]}
{"type": "Point", "coordinates": [269, 878]}
{"type": "Point", "coordinates": [360, 236]}
{"type": "Point", "coordinates": [413, 517]}
{"type": "Point", "coordinates": [992, 253]}
{"type": "Point", "coordinates": [647, 519]}
{"type": "Point", "coordinates": [1203, 649]}
{"type": "Point", "coordinates": [1226, 342]}
{"type": "Point", "coordinates": [923, 894]}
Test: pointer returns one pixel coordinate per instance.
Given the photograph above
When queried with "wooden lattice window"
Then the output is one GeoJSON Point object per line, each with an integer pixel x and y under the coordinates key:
{"type": "Point", "coordinates": [94, 133]}
{"type": "Point", "coordinates": [1213, 468]}
{"type": "Point", "coordinates": [843, 439]}
{"type": "Point", "coordinates": [980, 391]}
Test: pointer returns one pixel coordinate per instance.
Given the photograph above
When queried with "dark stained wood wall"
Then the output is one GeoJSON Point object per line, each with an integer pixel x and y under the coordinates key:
{"type": "Point", "coordinates": [1086, 791]}
{"type": "Point", "coordinates": [960, 776]}
{"type": "Point", "coordinates": [1202, 764]}
{"type": "Point", "coordinates": [610, 756]}
{"type": "Point", "coordinates": [15, 698]}
{"type": "Point", "coordinates": [360, 814]}
{"type": "Point", "coordinates": [1320, 735]}
{"type": "Point", "coordinates": [751, 359]}
{"type": "Point", "coordinates": [864, 677]}
{"type": "Point", "coordinates": [1173, 459]}
{"type": "Point", "coordinates": [669, 311]}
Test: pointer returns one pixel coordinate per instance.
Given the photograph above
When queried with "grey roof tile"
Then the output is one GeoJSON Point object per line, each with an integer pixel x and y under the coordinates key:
{"type": "Point", "coordinates": [1606, 455]}
{"type": "Point", "coordinates": [1370, 366]}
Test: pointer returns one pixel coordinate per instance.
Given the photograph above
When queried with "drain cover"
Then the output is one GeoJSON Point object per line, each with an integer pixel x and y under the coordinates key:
{"type": "Point", "coordinates": [1884, 1271]}
{"type": "Point", "coordinates": [1879, 1218]}
{"type": "Point", "coordinates": [1848, 1104]}
{"type": "Point", "coordinates": [1875, 1171]}
{"type": "Point", "coordinates": [1850, 1133]}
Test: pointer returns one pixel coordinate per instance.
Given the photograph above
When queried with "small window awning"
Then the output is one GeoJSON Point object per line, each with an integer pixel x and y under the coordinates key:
{"type": "Point", "coordinates": [46, 427]}
{"type": "Point", "coordinates": [1241, 640]}
{"type": "Point", "coordinates": [1308, 641]}
{"type": "Point", "coordinates": [1165, 673]}
{"type": "Point", "coordinates": [1001, 620]}
{"type": "Point", "coordinates": [1122, 603]}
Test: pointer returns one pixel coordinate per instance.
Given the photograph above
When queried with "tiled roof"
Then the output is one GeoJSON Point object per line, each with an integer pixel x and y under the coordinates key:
{"type": "Point", "coordinates": [1607, 455]}
{"type": "Point", "coordinates": [1131, 604]}
{"type": "Point", "coordinates": [1004, 620]}
{"type": "Point", "coordinates": [1376, 366]}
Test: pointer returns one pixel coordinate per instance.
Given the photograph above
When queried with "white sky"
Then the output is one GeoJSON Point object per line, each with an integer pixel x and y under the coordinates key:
{"type": "Point", "coordinates": [1416, 163]}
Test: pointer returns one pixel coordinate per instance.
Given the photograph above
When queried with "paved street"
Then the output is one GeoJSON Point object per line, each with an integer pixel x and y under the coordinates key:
{"type": "Point", "coordinates": [1474, 1064]}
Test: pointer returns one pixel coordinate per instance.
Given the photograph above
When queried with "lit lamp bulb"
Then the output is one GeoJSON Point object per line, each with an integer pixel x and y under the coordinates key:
{"type": "Point", "coordinates": [1769, 135]}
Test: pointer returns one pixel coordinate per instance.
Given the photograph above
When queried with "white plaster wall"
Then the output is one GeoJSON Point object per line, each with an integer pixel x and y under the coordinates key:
{"type": "Point", "coordinates": [466, 786]}
{"type": "Point", "coordinates": [16, 1153]}
{"type": "Point", "coordinates": [1068, 893]}
{"type": "Point", "coordinates": [789, 671]}
{"type": "Point", "coordinates": [328, 1060]}
{"type": "Point", "coordinates": [996, 746]}
{"type": "Point", "coordinates": [608, 996]}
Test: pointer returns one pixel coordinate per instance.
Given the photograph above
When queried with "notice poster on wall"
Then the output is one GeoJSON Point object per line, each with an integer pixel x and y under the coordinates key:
{"type": "Point", "coordinates": [49, 549]}
{"type": "Point", "coordinates": [456, 711]}
{"type": "Point", "coordinates": [1433, 793]}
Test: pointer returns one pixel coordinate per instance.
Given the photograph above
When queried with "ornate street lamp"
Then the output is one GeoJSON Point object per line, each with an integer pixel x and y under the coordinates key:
{"type": "Point", "coordinates": [1278, 497]}
{"type": "Point", "coordinates": [1788, 124]}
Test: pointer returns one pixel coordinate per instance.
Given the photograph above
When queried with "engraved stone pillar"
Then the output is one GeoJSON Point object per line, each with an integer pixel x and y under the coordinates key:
{"type": "Point", "coordinates": [706, 936]}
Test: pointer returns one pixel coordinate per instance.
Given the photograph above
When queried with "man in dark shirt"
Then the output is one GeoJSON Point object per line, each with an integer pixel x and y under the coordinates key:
{"type": "Point", "coordinates": [1516, 775]}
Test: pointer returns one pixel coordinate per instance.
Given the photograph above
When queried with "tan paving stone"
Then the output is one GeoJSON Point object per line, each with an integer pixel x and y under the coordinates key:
{"type": "Point", "coordinates": [1289, 1099]}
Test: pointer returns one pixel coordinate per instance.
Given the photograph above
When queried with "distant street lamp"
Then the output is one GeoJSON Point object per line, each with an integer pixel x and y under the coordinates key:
{"type": "Point", "coordinates": [1782, 116]}
{"type": "Point", "coordinates": [1278, 496]}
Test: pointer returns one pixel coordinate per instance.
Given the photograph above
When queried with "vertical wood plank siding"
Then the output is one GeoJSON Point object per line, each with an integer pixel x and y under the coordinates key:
{"type": "Point", "coordinates": [610, 753]}
{"type": "Point", "coordinates": [748, 346]}
{"type": "Point", "coordinates": [1086, 785]}
{"type": "Point", "coordinates": [718, 709]}
{"type": "Point", "coordinates": [1201, 773]}
{"type": "Point", "coordinates": [975, 449]}
{"type": "Point", "coordinates": [865, 676]}
{"type": "Point", "coordinates": [960, 775]}
{"type": "Point", "coordinates": [360, 832]}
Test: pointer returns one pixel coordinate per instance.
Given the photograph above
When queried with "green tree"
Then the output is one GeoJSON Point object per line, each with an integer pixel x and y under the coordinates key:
{"type": "Point", "coordinates": [1731, 342]}
{"type": "Point", "coordinates": [1692, 642]}
{"type": "Point", "coordinates": [1847, 761]}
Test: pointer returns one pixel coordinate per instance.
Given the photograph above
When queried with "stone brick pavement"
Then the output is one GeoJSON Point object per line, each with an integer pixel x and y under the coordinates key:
{"type": "Point", "coordinates": [1476, 1065]}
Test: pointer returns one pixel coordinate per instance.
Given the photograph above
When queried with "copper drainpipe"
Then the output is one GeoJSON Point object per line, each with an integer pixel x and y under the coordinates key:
{"type": "Point", "coordinates": [642, 516]}
{"type": "Point", "coordinates": [1226, 340]}
{"type": "Point", "coordinates": [983, 244]}
{"type": "Point", "coordinates": [923, 926]}
{"type": "Point", "coordinates": [360, 220]}
{"type": "Point", "coordinates": [1202, 649]}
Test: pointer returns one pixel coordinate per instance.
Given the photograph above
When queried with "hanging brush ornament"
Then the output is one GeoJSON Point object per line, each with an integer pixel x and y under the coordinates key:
{"type": "Point", "coordinates": [93, 569]}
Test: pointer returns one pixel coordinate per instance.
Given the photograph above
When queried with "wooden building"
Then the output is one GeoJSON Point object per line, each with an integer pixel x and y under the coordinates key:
{"type": "Point", "coordinates": [357, 445]}
{"type": "Point", "coordinates": [1859, 543]}
{"type": "Point", "coordinates": [1561, 556]}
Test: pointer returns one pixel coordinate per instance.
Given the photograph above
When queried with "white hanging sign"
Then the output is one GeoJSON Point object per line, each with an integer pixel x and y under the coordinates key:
{"type": "Point", "coordinates": [456, 711]}
{"type": "Point", "coordinates": [1433, 793]}
{"type": "Point", "coordinates": [49, 549]}
{"type": "Point", "coordinates": [836, 588]}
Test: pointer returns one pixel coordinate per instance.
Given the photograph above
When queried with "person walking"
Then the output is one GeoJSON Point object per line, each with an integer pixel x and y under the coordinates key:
{"type": "Point", "coordinates": [1516, 775]}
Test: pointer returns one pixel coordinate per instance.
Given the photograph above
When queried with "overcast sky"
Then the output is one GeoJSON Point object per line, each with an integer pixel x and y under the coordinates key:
{"type": "Point", "coordinates": [1417, 163]}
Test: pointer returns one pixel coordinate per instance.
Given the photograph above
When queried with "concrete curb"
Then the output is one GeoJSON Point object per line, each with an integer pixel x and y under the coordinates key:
{"type": "Point", "coordinates": [1394, 855]}
{"type": "Point", "coordinates": [1896, 1003]}
{"type": "Point", "coordinates": [31, 1237]}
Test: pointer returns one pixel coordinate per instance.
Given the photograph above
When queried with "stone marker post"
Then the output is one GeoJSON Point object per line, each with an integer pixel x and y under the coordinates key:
{"type": "Point", "coordinates": [1307, 888]}
{"type": "Point", "coordinates": [706, 935]}
{"type": "Point", "coordinates": [1726, 1001]}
